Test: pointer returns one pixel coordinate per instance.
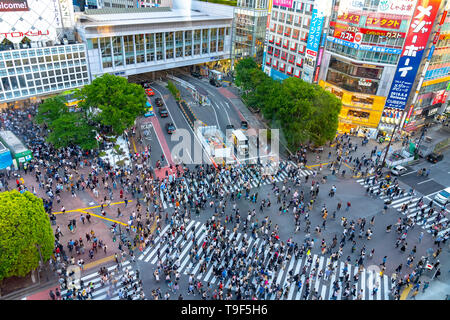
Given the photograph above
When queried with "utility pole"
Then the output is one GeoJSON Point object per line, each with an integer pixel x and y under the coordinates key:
{"type": "Point", "coordinates": [387, 148]}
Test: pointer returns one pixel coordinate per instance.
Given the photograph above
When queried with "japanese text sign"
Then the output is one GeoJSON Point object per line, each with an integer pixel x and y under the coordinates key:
{"type": "Point", "coordinates": [416, 40]}
{"type": "Point", "coordinates": [283, 3]}
{"type": "Point", "coordinates": [315, 31]}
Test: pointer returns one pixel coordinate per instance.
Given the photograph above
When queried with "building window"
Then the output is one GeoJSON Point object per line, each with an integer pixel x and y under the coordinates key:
{"type": "Point", "coordinates": [169, 45]}
{"type": "Point", "coordinates": [197, 40]}
{"type": "Point", "coordinates": [140, 51]}
{"type": "Point", "coordinates": [105, 49]}
{"type": "Point", "coordinates": [117, 51]}
{"type": "Point", "coordinates": [188, 43]}
{"type": "Point", "coordinates": [159, 46]}
{"type": "Point", "coordinates": [204, 41]}
{"type": "Point", "coordinates": [129, 49]}
{"type": "Point", "coordinates": [179, 43]}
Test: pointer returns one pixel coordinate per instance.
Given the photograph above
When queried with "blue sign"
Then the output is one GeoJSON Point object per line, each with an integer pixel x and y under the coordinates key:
{"type": "Point", "coordinates": [403, 81]}
{"type": "Point", "coordinates": [277, 75]}
{"type": "Point", "coordinates": [364, 47]}
{"type": "Point", "coordinates": [431, 52]}
{"type": "Point", "coordinates": [315, 31]}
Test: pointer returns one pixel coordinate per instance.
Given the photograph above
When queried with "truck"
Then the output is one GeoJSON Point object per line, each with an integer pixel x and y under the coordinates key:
{"type": "Point", "coordinates": [240, 144]}
{"type": "Point", "coordinates": [213, 143]}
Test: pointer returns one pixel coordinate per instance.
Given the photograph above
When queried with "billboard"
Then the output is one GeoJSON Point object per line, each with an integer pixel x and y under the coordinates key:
{"type": "Point", "coordinates": [400, 7]}
{"type": "Point", "coordinates": [315, 31]}
{"type": "Point", "coordinates": [13, 5]}
{"type": "Point", "coordinates": [343, 28]}
{"type": "Point", "coordinates": [39, 23]}
{"type": "Point", "coordinates": [364, 47]}
{"type": "Point", "coordinates": [415, 43]}
{"type": "Point", "coordinates": [283, 3]}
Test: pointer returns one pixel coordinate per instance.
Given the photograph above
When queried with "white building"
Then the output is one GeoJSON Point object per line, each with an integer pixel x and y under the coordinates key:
{"type": "Point", "coordinates": [38, 52]}
{"type": "Point", "coordinates": [140, 40]}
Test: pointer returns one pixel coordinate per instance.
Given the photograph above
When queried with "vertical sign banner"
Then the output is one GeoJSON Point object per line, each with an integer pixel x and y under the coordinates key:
{"type": "Point", "coordinates": [416, 40]}
{"type": "Point", "coordinates": [283, 3]}
{"type": "Point", "coordinates": [315, 31]}
{"type": "Point", "coordinates": [66, 7]}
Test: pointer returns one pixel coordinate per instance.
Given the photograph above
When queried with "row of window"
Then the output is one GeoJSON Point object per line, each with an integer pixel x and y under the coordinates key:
{"type": "Point", "coordinates": [35, 79]}
{"type": "Point", "coordinates": [40, 52]}
{"type": "Point", "coordinates": [297, 6]}
{"type": "Point", "coordinates": [131, 49]}
{"type": "Point", "coordinates": [43, 89]}
{"type": "Point", "coordinates": [291, 58]}
{"type": "Point", "coordinates": [283, 67]}
{"type": "Point", "coordinates": [362, 55]}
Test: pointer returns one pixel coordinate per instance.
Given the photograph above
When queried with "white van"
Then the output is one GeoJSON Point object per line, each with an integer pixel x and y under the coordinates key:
{"type": "Point", "coordinates": [443, 197]}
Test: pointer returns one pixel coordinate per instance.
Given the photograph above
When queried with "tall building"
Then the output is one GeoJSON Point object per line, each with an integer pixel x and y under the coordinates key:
{"type": "Point", "coordinates": [140, 40]}
{"type": "Point", "coordinates": [249, 29]}
{"type": "Point", "coordinates": [375, 52]}
{"type": "Point", "coordinates": [433, 90]}
{"type": "Point", "coordinates": [293, 38]}
{"type": "Point", "coordinates": [39, 54]}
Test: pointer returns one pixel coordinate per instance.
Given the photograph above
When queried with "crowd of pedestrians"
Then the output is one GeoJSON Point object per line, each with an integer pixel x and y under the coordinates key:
{"type": "Point", "coordinates": [71, 171]}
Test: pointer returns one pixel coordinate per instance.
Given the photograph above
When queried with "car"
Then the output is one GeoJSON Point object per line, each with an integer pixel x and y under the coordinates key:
{"type": "Point", "coordinates": [159, 102]}
{"type": "Point", "coordinates": [398, 170]}
{"type": "Point", "coordinates": [435, 157]}
{"type": "Point", "coordinates": [170, 127]}
{"type": "Point", "coordinates": [244, 125]}
{"type": "Point", "coordinates": [443, 197]}
{"type": "Point", "coordinates": [149, 112]}
{"type": "Point", "coordinates": [163, 112]}
{"type": "Point", "coordinates": [229, 127]}
{"type": "Point", "coordinates": [214, 82]}
{"type": "Point", "coordinates": [196, 74]}
{"type": "Point", "coordinates": [149, 92]}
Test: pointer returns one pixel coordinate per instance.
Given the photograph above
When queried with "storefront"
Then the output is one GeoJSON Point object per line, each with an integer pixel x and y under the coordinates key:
{"type": "Point", "coordinates": [360, 113]}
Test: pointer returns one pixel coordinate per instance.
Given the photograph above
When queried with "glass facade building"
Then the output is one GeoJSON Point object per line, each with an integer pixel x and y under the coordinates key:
{"type": "Point", "coordinates": [152, 40]}
{"type": "Point", "coordinates": [26, 73]}
{"type": "Point", "coordinates": [249, 29]}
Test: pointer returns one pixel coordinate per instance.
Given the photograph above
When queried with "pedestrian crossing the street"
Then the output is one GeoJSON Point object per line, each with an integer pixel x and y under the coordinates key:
{"type": "Point", "coordinates": [116, 286]}
{"type": "Point", "coordinates": [428, 220]}
{"type": "Point", "coordinates": [313, 267]}
{"type": "Point", "coordinates": [273, 171]}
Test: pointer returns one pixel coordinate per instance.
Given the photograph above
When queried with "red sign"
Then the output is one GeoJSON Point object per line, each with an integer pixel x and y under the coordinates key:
{"type": "Point", "coordinates": [349, 17]}
{"type": "Point", "coordinates": [381, 22]}
{"type": "Point", "coordinates": [341, 27]}
{"type": "Point", "coordinates": [14, 5]}
{"type": "Point", "coordinates": [18, 34]}
{"type": "Point", "coordinates": [344, 35]}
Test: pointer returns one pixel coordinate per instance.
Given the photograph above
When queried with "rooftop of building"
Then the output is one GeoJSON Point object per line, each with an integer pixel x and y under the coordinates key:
{"type": "Point", "coordinates": [136, 16]}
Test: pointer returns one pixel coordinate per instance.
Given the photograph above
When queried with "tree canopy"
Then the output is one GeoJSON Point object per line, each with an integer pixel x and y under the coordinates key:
{"type": "Point", "coordinates": [66, 128]}
{"type": "Point", "coordinates": [117, 101]}
{"type": "Point", "coordinates": [110, 104]}
{"type": "Point", "coordinates": [24, 230]}
{"type": "Point", "coordinates": [305, 112]}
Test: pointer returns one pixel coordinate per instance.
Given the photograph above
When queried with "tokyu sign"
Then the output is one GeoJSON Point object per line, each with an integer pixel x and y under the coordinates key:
{"type": "Point", "coordinates": [14, 5]}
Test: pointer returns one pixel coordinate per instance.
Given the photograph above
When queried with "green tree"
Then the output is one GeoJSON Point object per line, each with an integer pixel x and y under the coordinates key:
{"type": "Point", "coordinates": [24, 231]}
{"type": "Point", "coordinates": [242, 70]}
{"type": "Point", "coordinates": [113, 102]}
{"type": "Point", "coordinates": [66, 128]}
{"type": "Point", "coordinates": [72, 128]}
{"type": "Point", "coordinates": [51, 109]}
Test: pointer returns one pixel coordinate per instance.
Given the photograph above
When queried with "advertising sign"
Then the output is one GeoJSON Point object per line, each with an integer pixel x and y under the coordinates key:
{"type": "Point", "coordinates": [315, 31]}
{"type": "Point", "coordinates": [383, 22]}
{"type": "Point", "coordinates": [343, 27]}
{"type": "Point", "coordinates": [413, 50]}
{"type": "Point", "coordinates": [349, 17]}
{"type": "Point", "coordinates": [13, 5]}
{"type": "Point", "coordinates": [66, 8]}
{"type": "Point", "coordinates": [400, 7]}
{"type": "Point", "coordinates": [39, 23]}
{"type": "Point", "coordinates": [283, 3]}
{"type": "Point", "coordinates": [364, 47]}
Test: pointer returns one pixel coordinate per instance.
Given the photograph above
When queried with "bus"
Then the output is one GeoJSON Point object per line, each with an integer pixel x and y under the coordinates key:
{"type": "Point", "coordinates": [18, 150]}
{"type": "Point", "coordinates": [71, 100]}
